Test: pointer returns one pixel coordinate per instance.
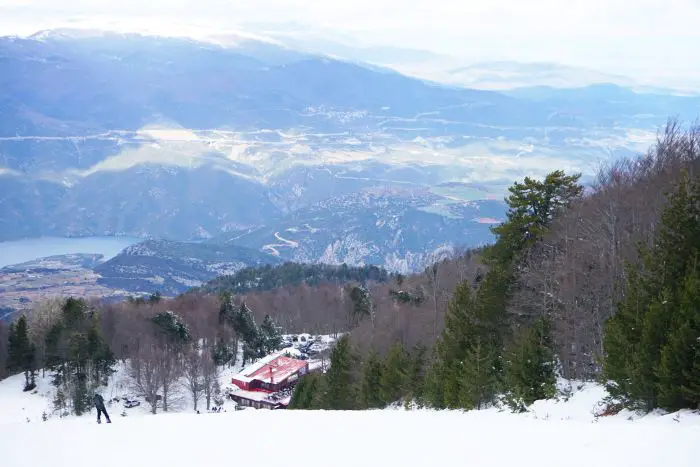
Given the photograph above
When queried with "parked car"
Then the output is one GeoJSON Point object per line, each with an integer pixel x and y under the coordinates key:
{"type": "Point", "coordinates": [131, 403]}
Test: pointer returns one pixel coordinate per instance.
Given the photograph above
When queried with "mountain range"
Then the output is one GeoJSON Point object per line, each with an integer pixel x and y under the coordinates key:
{"type": "Point", "coordinates": [279, 151]}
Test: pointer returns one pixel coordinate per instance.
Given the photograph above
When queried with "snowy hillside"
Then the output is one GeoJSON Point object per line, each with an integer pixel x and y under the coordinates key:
{"type": "Point", "coordinates": [567, 431]}
{"type": "Point", "coordinates": [372, 438]}
{"type": "Point", "coordinates": [20, 407]}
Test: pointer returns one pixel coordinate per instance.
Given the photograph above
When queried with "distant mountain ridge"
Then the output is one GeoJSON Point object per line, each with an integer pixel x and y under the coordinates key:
{"type": "Point", "coordinates": [173, 267]}
{"type": "Point", "coordinates": [291, 274]}
{"type": "Point", "coordinates": [244, 141]}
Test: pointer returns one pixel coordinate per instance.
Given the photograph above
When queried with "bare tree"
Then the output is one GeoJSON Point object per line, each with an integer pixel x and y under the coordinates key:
{"type": "Point", "coordinates": [146, 374]}
{"type": "Point", "coordinates": [170, 368]}
{"type": "Point", "coordinates": [210, 375]}
{"type": "Point", "coordinates": [193, 372]}
{"type": "Point", "coordinates": [40, 319]}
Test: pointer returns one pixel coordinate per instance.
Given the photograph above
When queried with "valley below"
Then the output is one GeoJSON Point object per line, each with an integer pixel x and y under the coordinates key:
{"type": "Point", "coordinates": [208, 158]}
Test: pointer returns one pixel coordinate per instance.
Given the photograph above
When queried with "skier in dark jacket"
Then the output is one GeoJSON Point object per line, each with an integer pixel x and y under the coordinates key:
{"type": "Point", "coordinates": [100, 406]}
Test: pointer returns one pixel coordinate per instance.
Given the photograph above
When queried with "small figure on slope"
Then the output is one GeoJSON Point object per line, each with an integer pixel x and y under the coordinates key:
{"type": "Point", "coordinates": [100, 406]}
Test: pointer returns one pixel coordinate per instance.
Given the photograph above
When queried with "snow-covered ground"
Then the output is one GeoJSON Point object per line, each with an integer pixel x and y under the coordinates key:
{"type": "Point", "coordinates": [569, 437]}
{"type": "Point", "coordinates": [563, 432]}
{"type": "Point", "coordinates": [17, 406]}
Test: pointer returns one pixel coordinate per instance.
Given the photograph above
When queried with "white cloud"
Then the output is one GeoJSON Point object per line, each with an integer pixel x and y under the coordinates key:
{"type": "Point", "coordinates": [638, 37]}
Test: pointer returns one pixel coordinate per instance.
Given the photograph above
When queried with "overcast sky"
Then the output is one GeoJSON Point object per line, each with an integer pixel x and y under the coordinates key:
{"type": "Point", "coordinates": [635, 37]}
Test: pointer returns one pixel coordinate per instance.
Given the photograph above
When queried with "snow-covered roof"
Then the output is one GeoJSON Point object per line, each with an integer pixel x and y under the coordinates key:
{"type": "Point", "coordinates": [272, 368]}
{"type": "Point", "coordinates": [246, 373]}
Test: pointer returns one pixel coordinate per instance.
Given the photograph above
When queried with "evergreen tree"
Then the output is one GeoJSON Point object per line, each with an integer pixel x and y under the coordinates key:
{"type": "Point", "coordinates": [371, 388]}
{"type": "Point", "coordinates": [691, 387]}
{"type": "Point", "coordinates": [451, 348]}
{"type": "Point", "coordinates": [530, 369]}
{"type": "Point", "coordinates": [415, 375]}
{"type": "Point", "coordinates": [621, 343]}
{"type": "Point", "coordinates": [101, 356]}
{"type": "Point", "coordinates": [649, 342]}
{"type": "Point", "coordinates": [434, 385]}
{"type": "Point", "coordinates": [78, 356]}
{"type": "Point", "coordinates": [361, 303]}
{"type": "Point", "coordinates": [473, 328]}
{"type": "Point", "coordinates": [76, 372]}
{"type": "Point", "coordinates": [478, 376]}
{"type": "Point", "coordinates": [243, 323]}
{"type": "Point", "coordinates": [341, 391]}
{"type": "Point", "coordinates": [678, 366]}
{"type": "Point", "coordinates": [222, 353]}
{"type": "Point", "coordinates": [532, 206]}
{"type": "Point", "coordinates": [271, 335]}
{"type": "Point", "coordinates": [308, 393]}
{"type": "Point", "coordinates": [394, 377]}
{"type": "Point", "coordinates": [171, 327]}
{"type": "Point", "coordinates": [22, 352]}
{"type": "Point", "coordinates": [227, 309]}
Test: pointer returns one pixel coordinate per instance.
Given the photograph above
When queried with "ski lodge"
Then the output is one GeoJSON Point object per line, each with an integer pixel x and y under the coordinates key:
{"type": "Point", "coordinates": [268, 383]}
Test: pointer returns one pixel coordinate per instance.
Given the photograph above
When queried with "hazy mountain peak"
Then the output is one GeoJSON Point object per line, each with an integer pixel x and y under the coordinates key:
{"type": "Point", "coordinates": [70, 33]}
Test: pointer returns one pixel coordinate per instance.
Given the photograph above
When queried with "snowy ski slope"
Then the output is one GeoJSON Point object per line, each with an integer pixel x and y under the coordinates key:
{"type": "Point", "coordinates": [553, 433]}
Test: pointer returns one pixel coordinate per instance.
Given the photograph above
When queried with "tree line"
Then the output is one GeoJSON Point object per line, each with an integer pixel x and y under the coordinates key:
{"type": "Point", "coordinates": [596, 285]}
{"type": "Point", "coordinates": [169, 348]}
{"type": "Point", "coordinates": [480, 353]}
{"type": "Point", "coordinates": [550, 298]}
{"type": "Point", "coordinates": [291, 274]}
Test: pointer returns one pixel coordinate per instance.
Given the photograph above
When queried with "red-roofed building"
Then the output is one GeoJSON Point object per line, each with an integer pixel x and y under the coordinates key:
{"type": "Point", "coordinates": [268, 382]}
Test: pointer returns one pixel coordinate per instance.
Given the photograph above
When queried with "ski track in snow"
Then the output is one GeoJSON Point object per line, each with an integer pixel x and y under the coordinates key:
{"type": "Point", "coordinates": [338, 439]}
{"type": "Point", "coordinates": [553, 433]}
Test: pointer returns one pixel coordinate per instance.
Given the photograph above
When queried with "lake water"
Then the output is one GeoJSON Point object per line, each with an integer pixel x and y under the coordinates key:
{"type": "Point", "coordinates": [20, 251]}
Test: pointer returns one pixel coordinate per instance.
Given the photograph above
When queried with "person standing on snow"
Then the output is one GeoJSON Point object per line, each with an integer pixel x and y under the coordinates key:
{"type": "Point", "coordinates": [100, 406]}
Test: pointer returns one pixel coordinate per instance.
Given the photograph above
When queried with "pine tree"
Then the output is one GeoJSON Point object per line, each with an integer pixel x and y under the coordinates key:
{"type": "Point", "coordinates": [371, 389]}
{"type": "Point", "coordinates": [648, 342]}
{"type": "Point", "coordinates": [478, 377]}
{"type": "Point", "coordinates": [416, 375]}
{"type": "Point", "coordinates": [434, 384]}
{"type": "Point", "coordinates": [171, 328]}
{"type": "Point", "coordinates": [451, 349]}
{"type": "Point", "coordinates": [101, 356]}
{"type": "Point", "coordinates": [530, 369]}
{"type": "Point", "coordinates": [341, 393]}
{"type": "Point", "coordinates": [222, 353]}
{"type": "Point", "coordinates": [362, 307]}
{"type": "Point", "coordinates": [677, 368]}
{"type": "Point", "coordinates": [691, 388]}
{"type": "Point", "coordinates": [532, 206]}
{"type": "Point", "coordinates": [271, 335]}
{"type": "Point", "coordinates": [78, 355]}
{"type": "Point", "coordinates": [77, 372]}
{"type": "Point", "coordinates": [468, 367]}
{"type": "Point", "coordinates": [22, 352]}
{"type": "Point", "coordinates": [308, 393]}
{"type": "Point", "coordinates": [243, 323]}
{"type": "Point", "coordinates": [394, 377]}
{"type": "Point", "coordinates": [474, 327]}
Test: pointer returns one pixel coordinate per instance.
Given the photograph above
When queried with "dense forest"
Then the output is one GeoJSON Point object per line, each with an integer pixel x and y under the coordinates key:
{"type": "Point", "coordinates": [291, 274]}
{"type": "Point", "coordinates": [598, 285]}
{"type": "Point", "coordinates": [590, 283]}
